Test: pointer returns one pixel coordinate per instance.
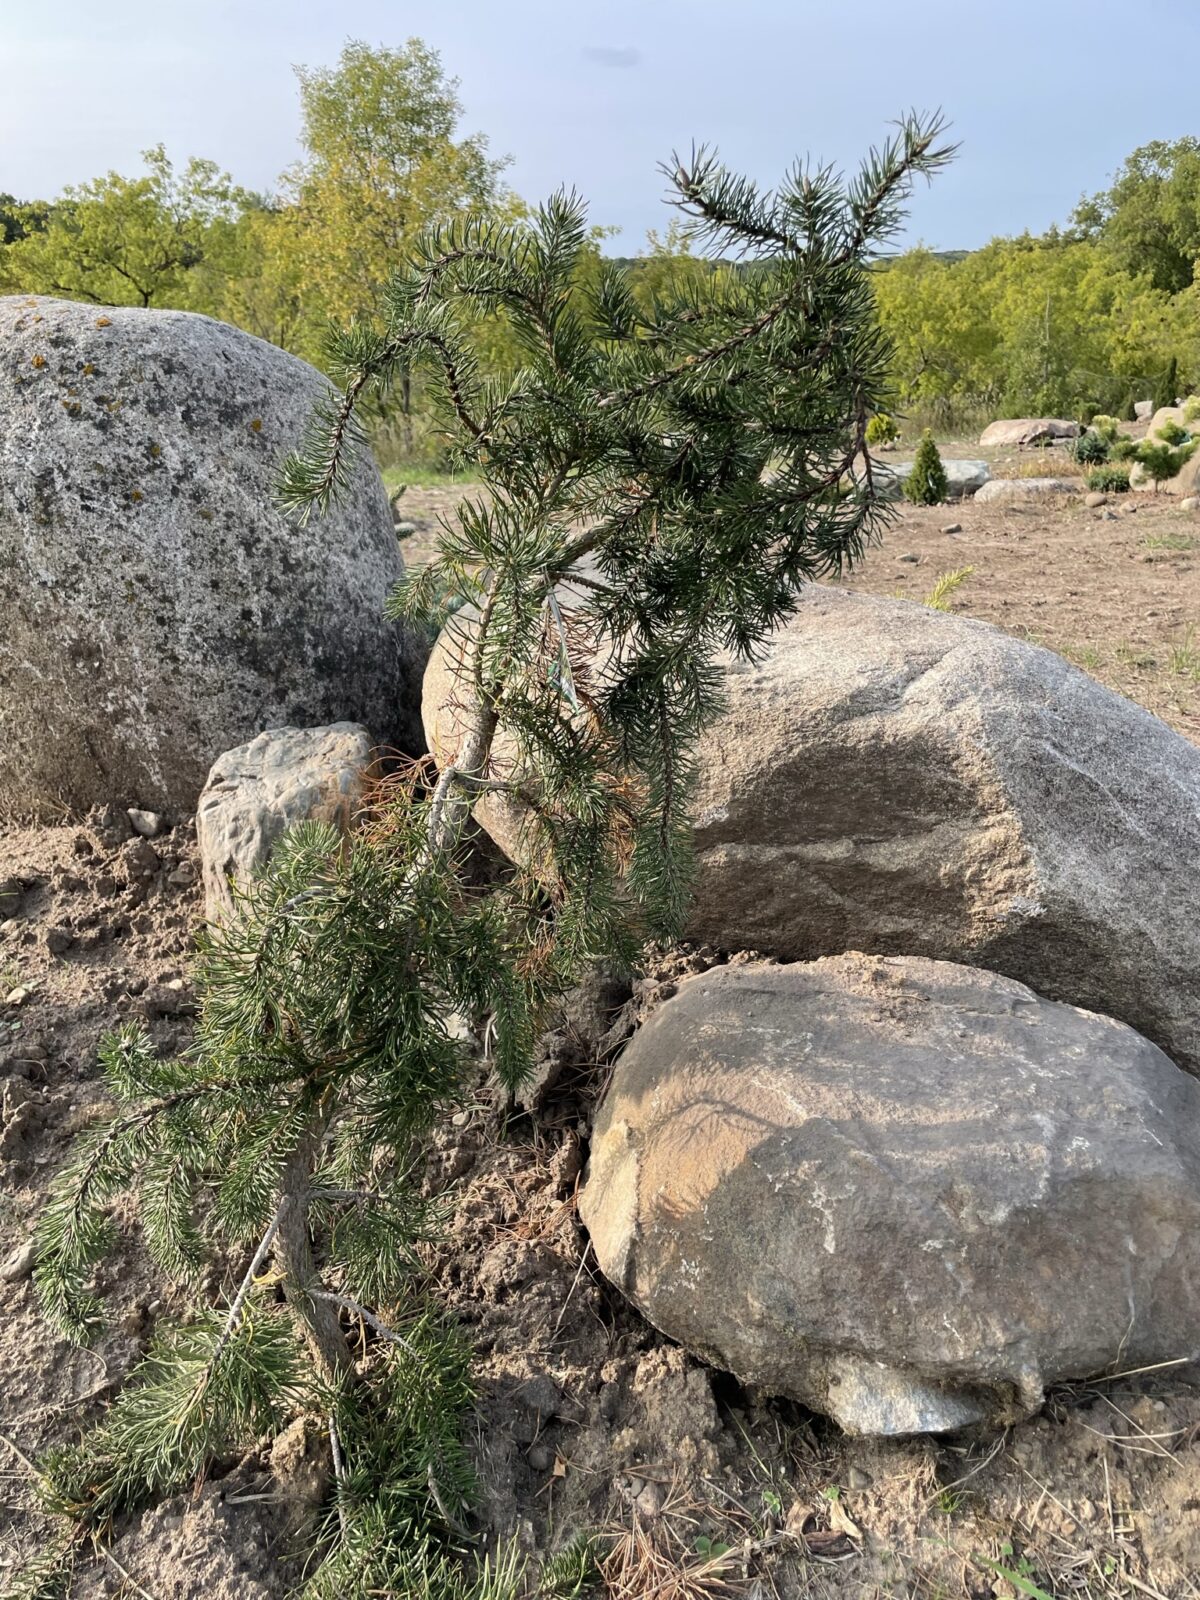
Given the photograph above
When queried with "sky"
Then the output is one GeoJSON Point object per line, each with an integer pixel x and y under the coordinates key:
{"type": "Point", "coordinates": [1046, 96]}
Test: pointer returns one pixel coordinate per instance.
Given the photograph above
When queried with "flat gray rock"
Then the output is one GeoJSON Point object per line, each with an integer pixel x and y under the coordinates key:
{"type": "Point", "coordinates": [907, 1193]}
{"type": "Point", "coordinates": [157, 608]}
{"type": "Point", "coordinates": [1000, 489]}
{"type": "Point", "coordinates": [963, 478]}
{"type": "Point", "coordinates": [1029, 430]}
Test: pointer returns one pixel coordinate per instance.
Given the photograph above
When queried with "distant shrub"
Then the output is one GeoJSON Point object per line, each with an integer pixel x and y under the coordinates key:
{"type": "Point", "coordinates": [1090, 449]}
{"type": "Point", "coordinates": [1130, 412]}
{"type": "Point", "coordinates": [1108, 428]}
{"type": "Point", "coordinates": [1171, 433]}
{"type": "Point", "coordinates": [1167, 391]}
{"type": "Point", "coordinates": [926, 483]}
{"type": "Point", "coordinates": [1112, 478]}
{"type": "Point", "coordinates": [1191, 408]}
{"type": "Point", "coordinates": [882, 429]}
{"type": "Point", "coordinates": [1161, 461]}
{"type": "Point", "coordinates": [1123, 449]}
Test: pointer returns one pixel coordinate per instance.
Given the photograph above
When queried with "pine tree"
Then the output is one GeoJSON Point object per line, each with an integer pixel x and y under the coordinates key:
{"type": "Point", "coordinates": [1166, 392]}
{"type": "Point", "coordinates": [686, 462]}
{"type": "Point", "coordinates": [926, 484]}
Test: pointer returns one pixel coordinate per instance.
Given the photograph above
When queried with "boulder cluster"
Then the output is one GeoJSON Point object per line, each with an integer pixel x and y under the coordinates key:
{"type": "Point", "coordinates": [926, 1139]}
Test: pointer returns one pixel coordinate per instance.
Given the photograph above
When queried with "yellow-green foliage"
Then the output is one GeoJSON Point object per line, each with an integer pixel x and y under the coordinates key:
{"type": "Point", "coordinates": [1191, 409]}
{"type": "Point", "coordinates": [1107, 427]}
{"type": "Point", "coordinates": [947, 585]}
{"type": "Point", "coordinates": [882, 429]}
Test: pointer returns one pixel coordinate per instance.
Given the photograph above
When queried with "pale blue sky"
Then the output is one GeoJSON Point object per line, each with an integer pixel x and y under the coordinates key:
{"type": "Point", "coordinates": [1047, 96]}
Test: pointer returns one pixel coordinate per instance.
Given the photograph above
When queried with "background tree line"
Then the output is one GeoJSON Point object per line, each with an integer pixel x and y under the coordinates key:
{"type": "Point", "coordinates": [1077, 320]}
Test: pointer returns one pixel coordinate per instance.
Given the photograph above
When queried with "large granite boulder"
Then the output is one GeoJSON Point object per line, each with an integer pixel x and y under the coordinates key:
{"type": "Point", "coordinates": [157, 607]}
{"type": "Point", "coordinates": [899, 780]}
{"type": "Point", "coordinates": [285, 776]}
{"type": "Point", "coordinates": [963, 478]}
{"type": "Point", "coordinates": [1021, 431]}
{"type": "Point", "coordinates": [907, 1193]}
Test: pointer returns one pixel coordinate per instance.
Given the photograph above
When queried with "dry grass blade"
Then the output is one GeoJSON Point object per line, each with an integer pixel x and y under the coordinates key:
{"type": "Point", "coordinates": [661, 1559]}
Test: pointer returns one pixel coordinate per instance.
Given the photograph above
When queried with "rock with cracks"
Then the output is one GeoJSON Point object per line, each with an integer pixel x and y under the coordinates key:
{"type": "Point", "coordinates": [1029, 430]}
{"type": "Point", "coordinates": [905, 1192]}
{"type": "Point", "coordinates": [157, 608]}
{"type": "Point", "coordinates": [253, 793]}
{"type": "Point", "coordinates": [898, 780]}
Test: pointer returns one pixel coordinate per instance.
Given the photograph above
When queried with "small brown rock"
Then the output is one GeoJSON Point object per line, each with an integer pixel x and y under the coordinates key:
{"type": "Point", "coordinates": [20, 1263]}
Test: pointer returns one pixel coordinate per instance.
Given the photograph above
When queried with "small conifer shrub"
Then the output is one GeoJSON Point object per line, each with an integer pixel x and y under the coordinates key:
{"type": "Point", "coordinates": [1110, 478]}
{"type": "Point", "coordinates": [882, 429]}
{"type": "Point", "coordinates": [1108, 428]}
{"type": "Point", "coordinates": [926, 484]}
{"type": "Point", "coordinates": [1089, 449]}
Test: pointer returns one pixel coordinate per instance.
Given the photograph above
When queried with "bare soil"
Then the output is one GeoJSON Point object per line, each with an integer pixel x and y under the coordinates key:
{"type": "Point", "coordinates": [588, 1418]}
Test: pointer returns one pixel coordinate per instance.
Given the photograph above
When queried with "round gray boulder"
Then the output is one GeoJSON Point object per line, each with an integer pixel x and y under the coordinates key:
{"type": "Point", "coordinates": [898, 780]}
{"type": "Point", "coordinates": [157, 609]}
{"type": "Point", "coordinates": [907, 1193]}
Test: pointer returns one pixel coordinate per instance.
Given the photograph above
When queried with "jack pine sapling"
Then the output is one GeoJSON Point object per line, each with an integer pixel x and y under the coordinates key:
{"type": "Point", "coordinates": [686, 465]}
{"type": "Point", "coordinates": [926, 484]}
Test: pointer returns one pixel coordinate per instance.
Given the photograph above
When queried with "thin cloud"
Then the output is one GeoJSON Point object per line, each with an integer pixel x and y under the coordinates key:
{"type": "Point", "coordinates": [605, 55]}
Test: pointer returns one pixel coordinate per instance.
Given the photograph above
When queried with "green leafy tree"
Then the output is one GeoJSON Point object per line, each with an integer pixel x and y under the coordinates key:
{"type": "Point", "coordinates": [926, 484]}
{"type": "Point", "coordinates": [682, 464]}
{"type": "Point", "coordinates": [1149, 220]}
{"type": "Point", "coordinates": [126, 241]}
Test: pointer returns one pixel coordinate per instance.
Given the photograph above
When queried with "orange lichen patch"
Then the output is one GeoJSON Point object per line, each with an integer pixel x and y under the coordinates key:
{"type": "Point", "coordinates": [72, 408]}
{"type": "Point", "coordinates": [38, 361]}
{"type": "Point", "coordinates": [104, 322]}
{"type": "Point", "coordinates": [39, 319]}
{"type": "Point", "coordinates": [88, 369]}
{"type": "Point", "coordinates": [256, 425]}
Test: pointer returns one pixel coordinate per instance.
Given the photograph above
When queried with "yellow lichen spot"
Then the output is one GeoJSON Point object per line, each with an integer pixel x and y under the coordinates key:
{"type": "Point", "coordinates": [31, 302]}
{"type": "Point", "coordinates": [136, 494]}
{"type": "Point", "coordinates": [39, 319]}
{"type": "Point", "coordinates": [256, 425]}
{"type": "Point", "coordinates": [205, 516]}
{"type": "Point", "coordinates": [38, 361]}
{"type": "Point", "coordinates": [156, 451]}
{"type": "Point", "coordinates": [88, 369]}
{"type": "Point", "coordinates": [104, 322]}
{"type": "Point", "coordinates": [114, 405]}
{"type": "Point", "coordinates": [72, 408]}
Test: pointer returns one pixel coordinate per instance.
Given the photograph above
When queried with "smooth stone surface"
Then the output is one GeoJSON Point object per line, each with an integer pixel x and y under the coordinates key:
{"type": "Point", "coordinates": [907, 1193]}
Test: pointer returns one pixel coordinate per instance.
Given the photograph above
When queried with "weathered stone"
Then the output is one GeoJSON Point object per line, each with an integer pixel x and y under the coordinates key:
{"type": "Point", "coordinates": [907, 1193]}
{"type": "Point", "coordinates": [285, 776]}
{"type": "Point", "coordinates": [1143, 409]}
{"type": "Point", "coordinates": [19, 1263]}
{"type": "Point", "coordinates": [963, 478]}
{"type": "Point", "coordinates": [1094, 500]}
{"type": "Point", "coordinates": [148, 823]}
{"type": "Point", "coordinates": [899, 780]}
{"type": "Point", "coordinates": [157, 608]}
{"type": "Point", "coordinates": [1187, 480]}
{"type": "Point", "coordinates": [1002, 489]}
{"type": "Point", "coordinates": [1192, 503]}
{"type": "Point", "coordinates": [1029, 430]}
